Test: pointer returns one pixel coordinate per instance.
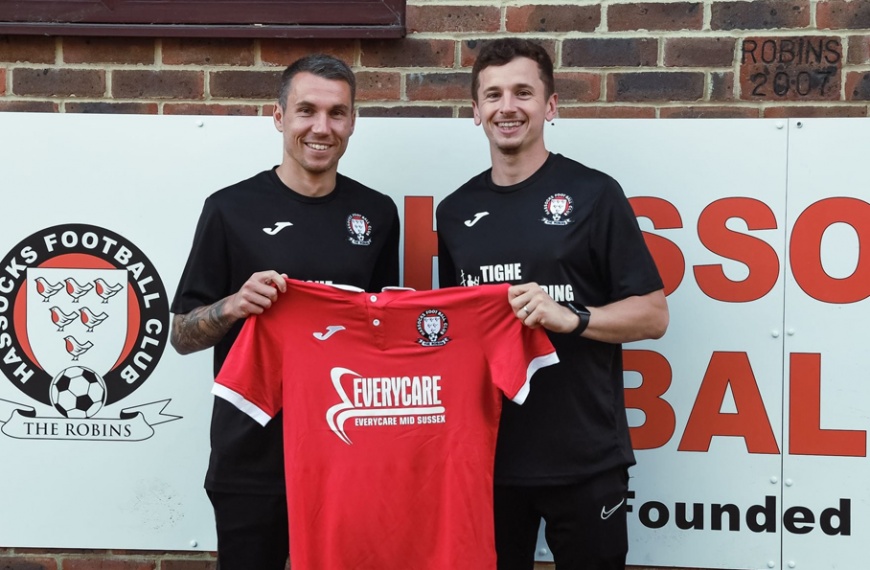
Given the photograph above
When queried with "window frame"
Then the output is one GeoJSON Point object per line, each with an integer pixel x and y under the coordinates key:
{"type": "Point", "coordinates": [205, 18]}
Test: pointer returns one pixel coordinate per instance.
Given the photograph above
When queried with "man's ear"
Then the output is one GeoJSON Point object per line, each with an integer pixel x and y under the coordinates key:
{"type": "Point", "coordinates": [551, 106]}
{"type": "Point", "coordinates": [477, 119]}
{"type": "Point", "coordinates": [278, 117]}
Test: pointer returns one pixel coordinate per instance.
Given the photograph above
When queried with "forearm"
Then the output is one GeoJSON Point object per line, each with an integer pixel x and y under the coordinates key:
{"type": "Point", "coordinates": [628, 320]}
{"type": "Point", "coordinates": [201, 328]}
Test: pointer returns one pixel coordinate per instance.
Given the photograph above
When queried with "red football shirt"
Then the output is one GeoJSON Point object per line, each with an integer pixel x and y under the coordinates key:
{"type": "Point", "coordinates": [391, 404]}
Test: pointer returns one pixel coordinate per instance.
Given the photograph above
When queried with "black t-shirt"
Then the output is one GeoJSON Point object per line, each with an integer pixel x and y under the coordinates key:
{"type": "Point", "coordinates": [570, 229]}
{"type": "Point", "coordinates": [350, 236]}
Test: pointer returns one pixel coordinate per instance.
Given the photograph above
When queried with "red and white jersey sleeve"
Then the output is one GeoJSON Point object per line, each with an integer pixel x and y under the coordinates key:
{"type": "Point", "coordinates": [391, 405]}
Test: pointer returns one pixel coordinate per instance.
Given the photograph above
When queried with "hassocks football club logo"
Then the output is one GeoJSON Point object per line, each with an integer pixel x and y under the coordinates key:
{"type": "Point", "coordinates": [432, 326]}
{"type": "Point", "coordinates": [84, 320]}
{"type": "Point", "coordinates": [360, 229]}
{"type": "Point", "coordinates": [557, 208]}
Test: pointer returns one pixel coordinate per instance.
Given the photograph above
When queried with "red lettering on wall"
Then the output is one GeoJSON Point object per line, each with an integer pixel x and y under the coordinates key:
{"type": "Point", "coordinates": [667, 255]}
{"type": "Point", "coordinates": [421, 242]}
{"type": "Point", "coordinates": [749, 422]}
{"type": "Point", "coordinates": [656, 374]}
{"type": "Point", "coordinates": [761, 259]}
{"type": "Point", "coordinates": [805, 250]}
{"type": "Point", "coordinates": [806, 437]}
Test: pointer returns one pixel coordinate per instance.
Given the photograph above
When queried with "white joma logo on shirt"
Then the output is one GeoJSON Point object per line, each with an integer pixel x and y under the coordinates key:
{"type": "Point", "coordinates": [277, 228]}
{"type": "Point", "coordinates": [330, 330]}
{"type": "Point", "coordinates": [476, 218]}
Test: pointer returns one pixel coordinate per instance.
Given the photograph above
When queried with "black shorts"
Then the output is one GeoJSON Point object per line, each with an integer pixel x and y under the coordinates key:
{"type": "Point", "coordinates": [251, 531]}
{"type": "Point", "coordinates": [586, 524]}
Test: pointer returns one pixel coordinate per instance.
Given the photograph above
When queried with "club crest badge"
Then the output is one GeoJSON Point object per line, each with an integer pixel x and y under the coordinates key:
{"type": "Point", "coordinates": [84, 320]}
{"type": "Point", "coordinates": [360, 229]}
{"type": "Point", "coordinates": [557, 208]}
{"type": "Point", "coordinates": [432, 326]}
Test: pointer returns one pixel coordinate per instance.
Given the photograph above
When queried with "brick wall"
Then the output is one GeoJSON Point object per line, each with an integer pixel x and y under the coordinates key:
{"type": "Point", "coordinates": [613, 59]}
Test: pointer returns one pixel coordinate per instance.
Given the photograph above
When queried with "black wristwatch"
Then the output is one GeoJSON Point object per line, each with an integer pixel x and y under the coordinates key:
{"type": "Point", "coordinates": [582, 313]}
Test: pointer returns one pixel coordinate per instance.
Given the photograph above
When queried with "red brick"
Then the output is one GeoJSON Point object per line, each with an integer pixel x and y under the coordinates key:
{"type": "Point", "coordinates": [106, 107]}
{"type": "Point", "coordinates": [103, 563]}
{"type": "Point", "coordinates": [134, 84]}
{"type": "Point", "coordinates": [858, 86]}
{"type": "Point", "coordinates": [699, 52]}
{"type": "Point", "coordinates": [26, 563]}
{"type": "Point", "coordinates": [655, 16]}
{"type": "Point", "coordinates": [59, 82]}
{"type": "Point", "coordinates": [188, 565]}
{"type": "Point", "coordinates": [407, 53]}
{"type": "Point", "coordinates": [245, 84]}
{"type": "Point", "coordinates": [722, 86]}
{"type": "Point", "coordinates": [578, 87]}
{"type": "Point", "coordinates": [760, 14]}
{"type": "Point", "coordinates": [612, 52]}
{"type": "Point", "coordinates": [544, 18]}
{"type": "Point", "coordinates": [195, 51]}
{"type": "Point", "coordinates": [210, 109]}
{"type": "Point", "coordinates": [108, 50]}
{"type": "Point", "coordinates": [837, 14]}
{"type": "Point", "coordinates": [19, 106]}
{"type": "Point", "coordinates": [701, 112]}
{"type": "Point", "coordinates": [452, 19]}
{"type": "Point", "coordinates": [2, 92]}
{"type": "Point", "coordinates": [655, 86]}
{"type": "Point", "coordinates": [859, 49]}
{"type": "Point", "coordinates": [27, 49]}
{"type": "Point", "coordinates": [470, 49]}
{"type": "Point", "coordinates": [406, 111]}
{"type": "Point", "coordinates": [285, 52]}
{"type": "Point", "coordinates": [606, 112]}
{"type": "Point", "coordinates": [375, 85]}
{"type": "Point", "coordinates": [438, 86]}
{"type": "Point", "coordinates": [805, 112]}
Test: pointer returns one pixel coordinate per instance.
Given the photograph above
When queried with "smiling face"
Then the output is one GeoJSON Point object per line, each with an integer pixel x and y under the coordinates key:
{"type": "Point", "coordinates": [316, 120]}
{"type": "Point", "coordinates": [512, 105]}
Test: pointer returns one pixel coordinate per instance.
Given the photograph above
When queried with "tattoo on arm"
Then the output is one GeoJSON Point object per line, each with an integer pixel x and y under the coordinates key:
{"type": "Point", "coordinates": [201, 328]}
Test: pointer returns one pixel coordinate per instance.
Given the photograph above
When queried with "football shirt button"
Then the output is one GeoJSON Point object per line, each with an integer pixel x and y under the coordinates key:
{"type": "Point", "coordinates": [373, 299]}
{"type": "Point", "coordinates": [376, 322]}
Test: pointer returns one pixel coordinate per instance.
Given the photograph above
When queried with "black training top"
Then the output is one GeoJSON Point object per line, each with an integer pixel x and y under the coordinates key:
{"type": "Point", "coordinates": [350, 236]}
{"type": "Point", "coordinates": [570, 229]}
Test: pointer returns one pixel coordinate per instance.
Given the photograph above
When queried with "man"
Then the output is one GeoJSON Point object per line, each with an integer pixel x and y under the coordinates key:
{"type": "Point", "coordinates": [301, 219]}
{"type": "Point", "coordinates": [564, 454]}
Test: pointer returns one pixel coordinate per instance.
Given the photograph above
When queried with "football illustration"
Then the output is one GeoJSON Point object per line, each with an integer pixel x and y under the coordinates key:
{"type": "Point", "coordinates": [78, 392]}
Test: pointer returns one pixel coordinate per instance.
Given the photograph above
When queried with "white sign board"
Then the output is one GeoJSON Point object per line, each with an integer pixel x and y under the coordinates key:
{"type": "Point", "coordinates": [748, 416]}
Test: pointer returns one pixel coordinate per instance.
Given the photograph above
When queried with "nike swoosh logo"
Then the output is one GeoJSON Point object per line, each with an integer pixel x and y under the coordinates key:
{"type": "Point", "coordinates": [330, 330]}
{"type": "Point", "coordinates": [476, 218]}
{"type": "Point", "coordinates": [278, 227]}
{"type": "Point", "coordinates": [605, 513]}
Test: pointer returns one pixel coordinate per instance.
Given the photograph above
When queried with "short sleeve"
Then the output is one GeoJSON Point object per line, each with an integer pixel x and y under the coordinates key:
{"type": "Point", "coordinates": [514, 351]}
{"type": "Point", "coordinates": [205, 279]}
{"type": "Point", "coordinates": [251, 376]}
{"type": "Point", "coordinates": [620, 247]}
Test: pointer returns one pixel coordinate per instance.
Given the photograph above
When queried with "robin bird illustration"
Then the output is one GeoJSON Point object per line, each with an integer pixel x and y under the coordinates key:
{"type": "Point", "coordinates": [90, 320]}
{"type": "Point", "coordinates": [60, 318]}
{"type": "Point", "coordinates": [76, 348]}
{"type": "Point", "coordinates": [105, 290]}
{"type": "Point", "coordinates": [75, 290]}
{"type": "Point", "coordinates": [46, 289]}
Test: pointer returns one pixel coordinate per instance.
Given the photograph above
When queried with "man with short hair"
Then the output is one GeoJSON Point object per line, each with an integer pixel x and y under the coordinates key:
{"type": "Point", "coordinates": [301, 219]}
{"type": "Point", "coordinates": [549, 224]}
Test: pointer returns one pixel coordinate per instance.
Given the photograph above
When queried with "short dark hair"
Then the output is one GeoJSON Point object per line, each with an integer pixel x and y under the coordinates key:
{"type": "Point", "coordinates": [505, 50]}
{"type": "Point", "coordinates": [321, 65]}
